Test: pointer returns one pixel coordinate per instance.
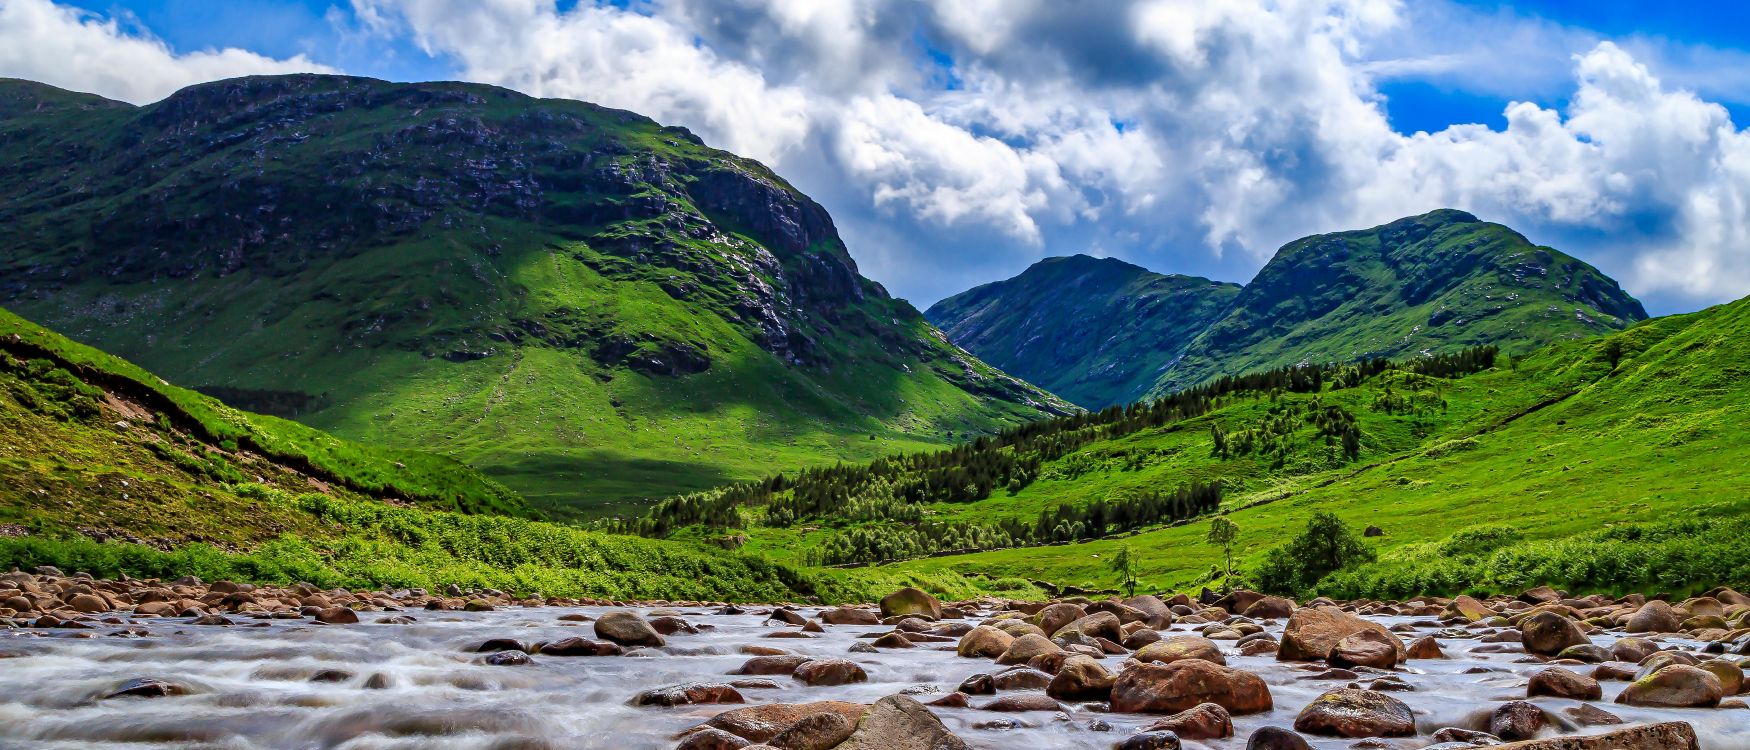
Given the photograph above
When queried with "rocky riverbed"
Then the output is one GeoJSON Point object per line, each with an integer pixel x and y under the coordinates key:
{"type": "Point", "coordinates": [148, 664]}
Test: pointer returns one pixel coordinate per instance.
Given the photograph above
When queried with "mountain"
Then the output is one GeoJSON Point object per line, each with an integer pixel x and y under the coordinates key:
{"type": "Point", "coordinates": [591, 307]}
{"type": "Point", "coordinates": [1096, 331]}
{"type": "Point", "coordinates": [1601, 464]}
{"type": "Point", "coordinates": [1103, 332]}
{"type": "Point", "coordinates": [1436, 282]}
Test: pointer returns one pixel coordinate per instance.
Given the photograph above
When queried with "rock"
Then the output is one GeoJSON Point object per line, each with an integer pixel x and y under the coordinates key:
{"type": "Point", "coordinates": [1586, 652]}
{"type": "Point", "coordinates": [1675, 735]}
{"type": "Point", "coordinates": [1097, 625]}
{"type": "Point", "coordinates": [1425, 647]}
{"type": "Point", "coordinates": [87, 603]}
{"type": "Point", "coordinates": [901, 723]}
{"type": "Point", "coordinates": [984, 641]}
{"type": "Point", "coordinates": [1674, 686]}
{"type": "Point", "coordinates": [495, 645]}
{"type": "Point", "coordinates": [1588, 715]}
{"type": "Point", "coordinates": [627, 629]}
{"type": "Point", "coordinates": [1547, 633]}
{"type": "Point", "coordinates": [1021, 678]}
{"type": "Point", "coordinates": [1206, 721]}
{"type": "Point", "coordinates": [772, 665]}
{"type": "Point", "coordinates": [1312, 632]}
{"type": "Point", "coordinates": [688, 695]}
{"type": "Point", "coordinates": [787, 616]}
{"type": "Point", "coordinates": [850, 616]}
{"type": "Point", "coordinates": [709, 738]}
{"type": "Point", "coordinates": [1181, 685]}
{"type": "Point", "coordinates": [1081, 678]}
{"type": "Point", "coordinates": [1026, 647]}
{"type": "Point", "coordinates": [1557, 682]}
{"type": "Point", "coordinates": [910, 601]}
{"type": "Point", "coordinates": [1270, 608]}
{"type": "Point", "coordinates": [1367, 648]}
{"type": "Point", "coordinates": [763, 722]}
{"type": "Point", "coordinates": [1156, 613]}
{"type": "Point", "coordinates": [1661, 660]}
{"type": "Point", "coordinates": [1633, 650]}
{"type": "Point", "coordinates": [1470, 609]}
{"type": "Point", "coordinates": [1653, 617]}
{"type": "Point", "coordinates": [820, 672]}
{"type": "Point", "coordinates": [1276, 738]}
{"type": "Point", "coordinates": [1178, 648]}
{"type": "Point", "coordinates": [337, 616]}
{"type": "Point", "coordinates": [1731, 676]}
{"type": "Point", "coordinates": [892, 640]}
{"type": "Point", "coordinates": [1151, 741]}
{"type": "Point", "coordinates": [506, 659]}
{"type": "Point", "coordinates": [1516, 720]}
{"type": "Point", "coordinates": [1457, 737]}
{"type": "Point", "coordinates": [146, 687]}
{"type": "Point", "coordinates": [1135, 641]}
{"type": "Point", "coordinates": [952, 700]}
{"type": "Point", "coordinates": [814, 732]}
{"type": "Point", "coordinates": [1055, 616]}
{"type": "Point", "coordinates": [581, 647]}
{"type": "Point", "coordinates": [1356, 713]}
{"type": "Point", "coordinates": [978, 684]}
{"type": "Point", "coordinates": [1023, 702]}
{"type": "Point", "coordinates": [670, 625]}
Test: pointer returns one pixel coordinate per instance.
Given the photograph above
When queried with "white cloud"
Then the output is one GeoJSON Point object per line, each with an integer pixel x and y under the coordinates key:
{"type": "Point", "coordinates": [1188, 136]}
{"type": "Point", "coordinates": [75, 50]}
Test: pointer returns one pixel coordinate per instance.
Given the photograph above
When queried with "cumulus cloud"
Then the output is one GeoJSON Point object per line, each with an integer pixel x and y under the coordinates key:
{"type": "Point", "coordinates": [957, 142]}
{"type": "Point", "coordinates": [76, 50]}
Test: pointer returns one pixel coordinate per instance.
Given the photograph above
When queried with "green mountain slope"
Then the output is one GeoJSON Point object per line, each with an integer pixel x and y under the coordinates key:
{"type": "Point", "coordinates": [1429, 283]}
{"type": "Point", "coordinates": [1606, 463]}
{"type": "Point", "coordinates": [1095, 331]}
{"type": "Point", "coordinates": [589, 306]}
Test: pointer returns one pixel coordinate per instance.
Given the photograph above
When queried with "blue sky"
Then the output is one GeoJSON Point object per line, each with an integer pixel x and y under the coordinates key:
{"type": "Point", "coordinates": [955, 145]}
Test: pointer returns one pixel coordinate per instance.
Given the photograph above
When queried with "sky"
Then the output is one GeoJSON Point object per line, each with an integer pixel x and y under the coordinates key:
{"type": "Point", "coordinates": [956, 143]}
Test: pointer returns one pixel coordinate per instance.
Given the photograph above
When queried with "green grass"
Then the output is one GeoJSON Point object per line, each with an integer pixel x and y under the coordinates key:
{"type": "Point", "coordinates": [1583, 460]}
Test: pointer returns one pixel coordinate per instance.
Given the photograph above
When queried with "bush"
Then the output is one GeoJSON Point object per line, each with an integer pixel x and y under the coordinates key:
{"type": "Point", "coordinates": [1326, 546]}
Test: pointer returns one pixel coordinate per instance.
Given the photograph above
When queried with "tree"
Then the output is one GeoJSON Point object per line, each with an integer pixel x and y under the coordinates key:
{"type": "Point", "coordinates": [1124, 564]}
{"type": "Point", "coordinates": [1223, 533]}
{"type": "Point", "coordinates": [1326, 546]}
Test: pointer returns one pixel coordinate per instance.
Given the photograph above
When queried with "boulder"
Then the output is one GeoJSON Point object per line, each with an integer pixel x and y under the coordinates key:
{"type": "Point", "coordinates": [1469, 609]}
{"type": "Point", "coordinates": [1675, 686]}
{"type": "Point", "coordinates": [1178, 648]}
{"type": "Point", "coordinates": [1182, 685]}
{"type": "Point", "coordinates": [901, 723]}
{"type": "Point", "coordinates": [337, 616]}
{"type": "Point", "coordinates": [87, 603]}
{"type": "Point", "coordinates": [708, 738]}
{"type": "Point", "coordinates": [1156, 614]}
{"type": "Point", "coordinates": [1021, 678]}
{"type": "Point", "coordinates": [1097, 625]}
{"type": "Point", "coordinates": [1654, 617]}
{"type": "Point", "coordinates": [1161, 740]}
{"type": "Point", "coordinates": [146, 687]}
{"type": "Point", "coordinates": [1731, 675]}
{"type": "Point", "coordinates": [581, 647]}
{"type": "Point", "coordinates": [893, 640]}
{"type": "Point", "coordinates": [1023, 702]}
{"type": "Point", "coordinates": [1633, 650]}
{"type": "Point", "coordinates": [763, 722]}
{"type": "Point", "coordinates": [1675, 735]}
{"type": "Point", "coordinates": [1557, 682]}
{"type": "Point", "coordinates": [772, 665]}
{"type": "Point", "coordinates": [1206, 721]}
{"type": "Point", "coordinates": [985, 642]}
{"type": "Point", "coordinates": [1347, 712]}
{"type": "Point", "coordinates": [1054, 617]}
{"type": "Point", "coordinates": [1548, 633]}
{"type": "Point", "coordinates": [1588, 715]}
{"type": "Point", "coordinates": [910, 601]}
{"type": "Point", "coordinates": [1276, 738]}
{"type": "Point", "coordinates": [849, 616]}
{"type": "Point", "coordinates": [1026, 648]}
{"type": "Point", "coordinates": [684, 695]}
{"type": "Point", "coordinates": [818, 672]}
{"type": "Point", "coordinates": [1081, 678]}
{"type": "Point", "coordinates": [1312, 632]}
{"type": "Point", "coordinates": [820, 731]}
{"type": "Point", "coordinates": [1425, 647]}
{"type": "Point", "coordinates": [1270, 608]}
{"type": "Point", "coordinates": [627, 629]}
{"type": "Point", "coordinates": [1516, 720]}
{"type": "Point", "coordinates": [1367, 648]}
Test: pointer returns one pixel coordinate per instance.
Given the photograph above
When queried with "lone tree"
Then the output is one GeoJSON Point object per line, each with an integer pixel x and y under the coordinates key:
{"type": "Point", "coordinates": [1325, 547]}
{"type": "Point", "coordinates": [1224, 533]}
{"type": "Point", "coordinates": [1124, 564]}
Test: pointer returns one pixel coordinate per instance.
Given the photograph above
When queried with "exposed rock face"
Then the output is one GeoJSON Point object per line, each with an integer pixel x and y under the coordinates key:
{"type": "Point", "coordinates": [1356, 713]}
{"type": "Point", "coordinates": [1182, 685]}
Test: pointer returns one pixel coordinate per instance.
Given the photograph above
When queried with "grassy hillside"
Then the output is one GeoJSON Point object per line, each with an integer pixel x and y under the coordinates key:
{"type": "Point", "coordinates": [588, 306]}
{"type": "Point", "coordinates": [1607, 463]}
{"type": "Point", "coordinates": [1431, 283]}
{"type": "Point", "coordinates": [106, 468]}
{"type": "Point", "coordinates": [1096, 331]}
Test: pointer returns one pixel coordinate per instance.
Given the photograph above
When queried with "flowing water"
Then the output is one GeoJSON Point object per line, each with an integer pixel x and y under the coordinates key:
{"type": "Point", "coordinates": [419, 686]}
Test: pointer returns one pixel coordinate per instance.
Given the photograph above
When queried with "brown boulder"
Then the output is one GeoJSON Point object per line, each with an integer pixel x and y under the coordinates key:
{"type": "Point", "coordinates": [1026, 648]}
{"type": "Point", "coordinates": [849, 616]}
{"type": "Point", "coordinates": [1206, 721]}
{"type": "Point", "coordinates": [1557, 682]}
{"type": "Point", "coordinates": [763, 722]}
{"type": "Point", "coordinates": [1675, 735]}
{"type": "Point", "coordinates": [1516, 720]}
{"type": "Point", "coordinates": [1270, 607]}
{"type": "Point", "coordinates": [1081, 678]}
{"type": "Point", "coordinates": [1425, 647]}
{"type": "Point", "coordinates": [683, 695]}
{"type": "Point", "coordinates": [1023, 702]}
{"type": "Point", "coordinates": [772, 665]}
{"type": "Point", "coordinates": [910, 601]}
{"type": "Point", "coordinates": [820, 731]}
{"type": "Point", "coordinates": [337, 616]}
{"type": "Point", "coordinates": [1348, 712]}
{"type": "Point", "coordinates": [901, 723]}
{"type": "Point", "coordinates": [1181, 685]}
{"type": "Point", "coordinates": [1312, 632]}
{"type": "Point", "coordinates": [627, 629]}
{"type": "Point", "coordinates": [1674, 686]}
{"type": "Point", "coordinates": [819, 672]}
{"type": "Point", "coordinates": [1178, 648]}
{"type": "Point", "coordinates": [1367, 648]}
{"type": "Point", "coordinates": [1054, 617]}
{"type": "Point", "coordinates": [1547, 633]}
{"type": "Point", "coordinates": [1654, 617]}
{"type": "Point", "coordinates": [984, 641]}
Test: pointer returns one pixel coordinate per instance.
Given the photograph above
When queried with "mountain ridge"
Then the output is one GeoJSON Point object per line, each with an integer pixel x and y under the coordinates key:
{"type": "Point", "coordinates": [589, 305]}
